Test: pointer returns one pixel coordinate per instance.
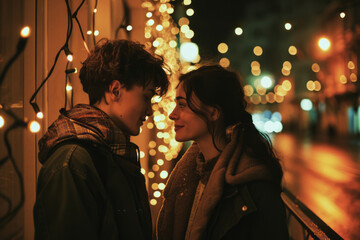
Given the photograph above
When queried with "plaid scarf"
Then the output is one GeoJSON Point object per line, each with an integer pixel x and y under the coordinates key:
{"type": "Point", "coordinates": [87, 124]}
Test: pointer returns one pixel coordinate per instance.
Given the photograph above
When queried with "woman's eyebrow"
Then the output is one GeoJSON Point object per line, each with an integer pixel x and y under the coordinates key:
{"type": "Point", "coordinates": [180, 98]}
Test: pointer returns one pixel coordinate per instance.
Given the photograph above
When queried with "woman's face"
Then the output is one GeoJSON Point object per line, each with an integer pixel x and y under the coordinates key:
{"type": "Point", "coordinates": [188, 124]}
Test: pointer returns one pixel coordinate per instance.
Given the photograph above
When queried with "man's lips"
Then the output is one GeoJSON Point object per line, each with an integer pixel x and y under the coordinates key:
{"type": "Point", "coordinates": [177, 127]}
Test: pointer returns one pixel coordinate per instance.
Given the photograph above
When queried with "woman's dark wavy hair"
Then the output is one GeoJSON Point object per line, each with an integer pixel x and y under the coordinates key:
{"type": "Point", "coordinates": [121, 60]}
{"type": "Point", "coordinates": [222, 89]}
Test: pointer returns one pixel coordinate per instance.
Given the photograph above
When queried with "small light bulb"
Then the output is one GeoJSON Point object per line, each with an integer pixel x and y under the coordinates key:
{"type": "Point", "coordinates": [40, 115]}
{"type": "Point", "coordinates": [129, 28]}
{"type": "Point", "coordinates": [96, 32]}
{"type": "Point", "coordinates": [70, 58]}
{"type": "Point", "coordinates": [68, 88]}
{"type": "Point", "coordinates": [342, 15]}
{"type": "Point", "coordinates": [34, 126]}
{"type": "Point", "coordinates": [2, 122]}
{"type": "Point", "coordinates": [288, 26]}
{"type": "Point", "coordinates": [25, 32]}
{"type": "Point", "coordinates": [89, 32]}
{"type": "Point", "coordinates": [95, 10]}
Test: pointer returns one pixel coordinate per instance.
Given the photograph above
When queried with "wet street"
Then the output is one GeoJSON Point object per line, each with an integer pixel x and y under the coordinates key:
{"type": "Point", "coordinates": [325, 176]}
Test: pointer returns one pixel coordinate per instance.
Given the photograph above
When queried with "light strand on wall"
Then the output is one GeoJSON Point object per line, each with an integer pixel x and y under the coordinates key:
{"type": "Point", "coordinates": [17, 123]}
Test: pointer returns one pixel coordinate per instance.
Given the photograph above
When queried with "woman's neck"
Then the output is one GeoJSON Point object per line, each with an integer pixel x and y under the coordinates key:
{"type": "Point", "coordinates": [207, 148]}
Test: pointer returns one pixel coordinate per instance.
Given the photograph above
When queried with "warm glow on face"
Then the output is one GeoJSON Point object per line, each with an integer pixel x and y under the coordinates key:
{"type": "Point", "coordinates": [25, 32]}
{"type": "Point", "coordinates": [258, 51]}
{"type": "Point", "coordinates": [324, 44]}
{"type": "Point", "coordinates": [223, 48]}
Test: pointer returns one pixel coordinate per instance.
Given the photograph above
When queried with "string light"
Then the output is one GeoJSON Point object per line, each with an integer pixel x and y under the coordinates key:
{"type": "Point", "coordinates": [129, 28]}
{"type": "Point", "coordinates": [25, 32]}
{"type": "Point", "coordinates": [342, 15]}
{"type": "Point", "coordinates": [34, 126]}
{"type": "Point", "coordinates": [288, 26]}
{"type": "Point", "coordinates": [238, 31]}
{"type": "Point", "coordinates": [2, 121]}
{"type": "Point", "coordinates": [40, 115]}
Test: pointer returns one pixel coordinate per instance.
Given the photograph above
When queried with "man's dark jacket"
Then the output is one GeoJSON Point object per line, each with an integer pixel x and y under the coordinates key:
{"type": "Point", "coordinates": [85, 191]}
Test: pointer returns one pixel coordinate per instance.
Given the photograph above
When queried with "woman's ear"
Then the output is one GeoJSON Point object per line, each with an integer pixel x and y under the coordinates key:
{"type": "Point", "coordinates": [215, 113]}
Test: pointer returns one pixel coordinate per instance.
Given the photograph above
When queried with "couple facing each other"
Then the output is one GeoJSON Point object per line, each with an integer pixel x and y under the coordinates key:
{"type": "Point", "coordinates": [226, 186]}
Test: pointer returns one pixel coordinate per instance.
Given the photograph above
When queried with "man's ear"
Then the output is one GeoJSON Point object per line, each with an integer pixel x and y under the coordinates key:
{"type": "Point", "coordinates": [116, 89]}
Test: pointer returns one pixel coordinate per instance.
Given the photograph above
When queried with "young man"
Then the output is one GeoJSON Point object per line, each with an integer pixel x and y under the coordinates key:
{"type": "Point", "coordinates": [90, 185]}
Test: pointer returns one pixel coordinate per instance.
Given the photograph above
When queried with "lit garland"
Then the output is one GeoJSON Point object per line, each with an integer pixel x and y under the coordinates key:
{"type": "Point", "coordinates": [17, 123]}
{"type": "Point", "coordinates": [161, 31]}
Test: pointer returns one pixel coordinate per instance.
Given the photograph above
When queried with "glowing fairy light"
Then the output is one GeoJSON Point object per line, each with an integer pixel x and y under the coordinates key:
{"type": "Point", "coordinates": [324, 44]}
{"type": "Point", "coordinates": [40, 115]}
{"type": "Point", "coordinates": [96, 32]}
{"type": "Point", "coordinates": [288, 26]}
{"type": "Point", "coordinates": [34, 126]}
{"type": "Point", "coordinates": [89, 32]}
{"type": "Point", "coordinates": [2, 121]}
{"type": "Point", "coordinates": [129, 28]}
{"type": "Point", "coordinates": [68, 88]}
{"type": "Point", "coordinates": [70, 57]}
{"type": "Point", "coordinates": [238, 31]}
{"type": "Point", "coordinates": [25, 32]}
{"type": "Point", "coordinates": [164, 174]}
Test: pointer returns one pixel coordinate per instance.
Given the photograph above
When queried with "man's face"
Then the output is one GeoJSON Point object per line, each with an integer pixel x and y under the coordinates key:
{"type": "Point", "coordinates": [131, 109]}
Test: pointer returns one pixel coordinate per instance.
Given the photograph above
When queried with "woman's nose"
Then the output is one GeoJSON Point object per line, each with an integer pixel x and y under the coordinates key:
{"type": "Point", "coordinates": [173, 115]}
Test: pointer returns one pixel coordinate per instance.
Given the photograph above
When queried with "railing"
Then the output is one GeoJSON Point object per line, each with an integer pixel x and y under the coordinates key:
{"type": "Point", "coordinates": [303, 223]}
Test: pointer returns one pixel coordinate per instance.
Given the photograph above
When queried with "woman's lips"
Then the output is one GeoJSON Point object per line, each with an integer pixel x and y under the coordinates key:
{"type": "Point", "coordinates": [177, 127]}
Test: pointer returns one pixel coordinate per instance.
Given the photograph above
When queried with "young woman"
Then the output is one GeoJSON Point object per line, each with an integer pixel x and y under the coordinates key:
{"type": "Point", "coordinates": [227, 185]}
